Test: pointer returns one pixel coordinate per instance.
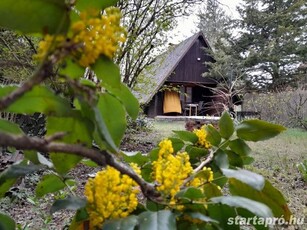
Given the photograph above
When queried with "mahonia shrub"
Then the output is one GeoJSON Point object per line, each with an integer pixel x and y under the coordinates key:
{"type": "Point", "coordinates": [192, 179]}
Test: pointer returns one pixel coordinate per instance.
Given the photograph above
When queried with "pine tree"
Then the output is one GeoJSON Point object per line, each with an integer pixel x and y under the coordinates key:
{"type": "Point", "coordinates": [272, 42]}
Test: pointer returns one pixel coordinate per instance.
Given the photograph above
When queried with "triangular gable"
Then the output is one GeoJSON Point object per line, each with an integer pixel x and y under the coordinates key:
{"type": "Point", "coordinates": [153, 77]}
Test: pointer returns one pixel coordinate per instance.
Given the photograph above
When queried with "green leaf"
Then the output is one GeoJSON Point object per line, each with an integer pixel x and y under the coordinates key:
{"type": "Point", "coordinates": [187, 136]}
{"type": "Point", "coordinates": [255, 207]}
{"type": "Point", "coordinates": [49, 184]}
{"type": "Point", "coordinates": [63, 162]}
{"type": "Point", "coordinates": [87, 4]}
{"type": "Point", "coordinates": [6, 185]}
{"type": "Point", "coordinates": [221, 159]}
{"type": "Point", "coordinates": [72, 70]}
{"type": "Point", "coordinates": [213, 135]}
{"type": "Point", "coordinates": [32, 156]}
{"type": "Point", "coordinates": [124, 95]}
{"type": "Point", "coordinates": [111, 120]}
{"type": "Point", "coordinates": [15, 171]}
{"type": "Point", "coordinates": [10, 175]}
{"type": "Point", "coordinates": [9, 127]}
{"type": "Point", "coordinates": [249, 218]}
{"type": "Point", "coordinates": [35, 16]}
{"type": "Point", "coordinates": [200, 216]}
{"type": "Point", "coordinates": [240, 147]}
{"type": "Point", "coordinates": [222, 213]}
{"type": "Point", "coordinates": [254, 180]}
{"type": "Point", "coordinates": [6, 222]}
{"type": "Point", "coordinates": [135, 157]}
{"type": "Point", "coordinates": [226, 125]}
{"type": "Point", "coordinates": [211, 190]}
{"type": "Point", "coordinates": [196, 152]}
{"type": "Point", "coordinates": [177, 144]}
{"type": "Point", "coordinates": [78, 220]}
{"type": "Point", "coordinates": [190, 193]}
{"type": "Point", "coordinates": [89, 163]}
{"type": "Point", "coordinates": [78, 129]}
{"type": "Point", "coordinates": [128, 223]}
{"type": "Point", "coordinates": [39, 99]}
{"type": "Point", "coordinates": [257, 130]}
{"type": "Point", "coordinates": [234, 159]}
{"type": "Point", "coordinates": [160, 220]}
{"type": "Point", "coordinates": [153, 206]}
{"type": "Point", "coordinates": [107, 71]}
{"type": "Point", "coordinates": [69, 203]}
{"type": "Point", "coordinates": [268, 195]}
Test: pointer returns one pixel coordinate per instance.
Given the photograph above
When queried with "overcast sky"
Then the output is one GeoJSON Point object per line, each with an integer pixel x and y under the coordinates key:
{"type": "Point", "coordinates": [188, 26]}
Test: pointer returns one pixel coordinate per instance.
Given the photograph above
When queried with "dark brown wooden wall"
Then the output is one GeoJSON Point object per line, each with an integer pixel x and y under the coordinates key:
{"type": "Point", "coordinates": [189, 68]}
{"type": "Point", "coordinates": [155, 106]}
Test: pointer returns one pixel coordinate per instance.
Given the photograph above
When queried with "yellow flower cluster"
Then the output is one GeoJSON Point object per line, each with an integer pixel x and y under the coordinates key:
{"type": "Point", "coordinates": [205, 176]}
{"type": "Point", "coordinates": [48, 44]}
{"type": "Point", "coordinates": [170, 171]}
{"type": "Point", "coordinates": [99, 35]}
{"type": "Point", "coordinates": [110, 195]}
{"type": "Point", "coordinates": [93, 35]}
{"type": "Point", "coordinates": [202, 137]}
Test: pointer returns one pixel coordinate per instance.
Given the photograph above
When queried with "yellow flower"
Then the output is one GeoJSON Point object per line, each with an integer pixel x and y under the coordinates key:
{"type": "Point", "coordinates": [110, 195]}
{"type": "Point", "coordinates": [202, 135]}
{"type": "Point", "coordinates": [170, 171]}
{"type": "Point", "coordinates": [205, 176]}
{"type": "Point", "coordinates": [91, 36]}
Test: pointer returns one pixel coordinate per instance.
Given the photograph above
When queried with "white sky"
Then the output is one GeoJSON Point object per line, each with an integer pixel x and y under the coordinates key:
{"type": "Point", "coordinates": [187, 26]}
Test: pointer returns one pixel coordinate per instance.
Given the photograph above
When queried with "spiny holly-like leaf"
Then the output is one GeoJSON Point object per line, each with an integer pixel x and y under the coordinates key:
{"type": "Point", "coordinates": [34, 16]}
{"type": "Point", "coordinates": [226, 125]}
{"type": "Point", "coordinates": [257, 130]}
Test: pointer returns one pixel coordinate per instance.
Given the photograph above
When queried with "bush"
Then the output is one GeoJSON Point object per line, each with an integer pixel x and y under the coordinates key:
{"type": "Point", "coordinates": [288, 108]}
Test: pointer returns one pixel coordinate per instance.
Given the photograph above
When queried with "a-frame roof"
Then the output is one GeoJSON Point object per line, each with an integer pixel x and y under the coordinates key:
{"type": "Point", "coordinates": [153, 77]}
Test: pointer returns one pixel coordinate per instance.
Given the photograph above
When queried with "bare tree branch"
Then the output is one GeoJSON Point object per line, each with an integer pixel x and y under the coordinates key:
{"type": "Point", "coordinates": [102, 158]}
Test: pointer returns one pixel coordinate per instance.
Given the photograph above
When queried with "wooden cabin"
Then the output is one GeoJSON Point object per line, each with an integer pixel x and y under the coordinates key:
{"type": "Point", "coordinates": [174, 85]}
